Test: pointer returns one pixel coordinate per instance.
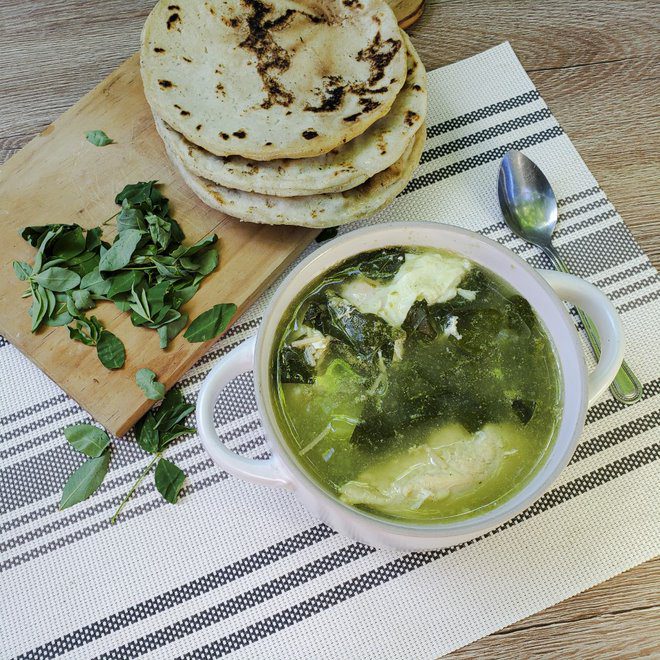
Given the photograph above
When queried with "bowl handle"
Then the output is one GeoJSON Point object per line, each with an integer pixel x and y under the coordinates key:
{"type": "Point", "coordinates": [239, 360]}
{"type": "Point", "coordinates": [606, 319]}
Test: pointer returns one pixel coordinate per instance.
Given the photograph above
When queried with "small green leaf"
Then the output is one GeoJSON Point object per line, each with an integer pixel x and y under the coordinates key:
{"type": "Point", "coordinates": [173, 410]}
{"type": "Point", "coordinates": [147, 382]}
{"type": "Point", "coordinates": [183, 295]}
{"type": "Point", "coordinates": [85, 480]}
{"type": "Point", "coordinates": [176, 432]}
{"type": "Point", "coordinates": [110, 350]}
{"type": "Point", "coordinates": [138, 302]}
{"type": "Point", "coordinates": [211, 323]}
{"type": "Point", "coordinates": [143, 193]}
{"type": "Point", "coordinates": [168, 332]}
{"type": "Point", "coordinates": [119, 255]}
{"type": "Point", "coordinates": [147, 434]}
{"type": "Point", "coordinates": [35, 235]}
{"type": "Point", "coordinates": [93, 239]}
{"type": "Point", "coordinates": [69, 243]}
{"type": "Point", "coordinates": [82, 299]}
{"type": "Point", "coordinates": [95, 328]}
{"type": "Point", "coordinates": [130, 218]}
{"type": "Point", "coordinates": [98, 138]}
{"type": "Point", "coordinates": [59, 316]}
{"type": "Point", "coordinates": [94, 282]}
{"type": "Point", "coordinates": [51, 302]}
{"type": "Point", "coordinates": [77, 335]}
{"type": "Point", "coordinates": [207, 262]}
{"type": "Point", "coordinates": [123, 282]}
{"type": "Point", "coordinates": [58, 279]}
{"type": "Point", "coordinates": [23, 270]}
{"type": "Point", "coordinates": [169, 480]}
{"type": "Point", "coordinates": [160, 230]}
{"type": "Point", "coordinates": [39, 307]}
{"type": "Point", "coordinates": [87, 439]}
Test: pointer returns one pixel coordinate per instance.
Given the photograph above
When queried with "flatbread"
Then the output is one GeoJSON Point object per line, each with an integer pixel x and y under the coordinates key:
{"type": "Point", "coordinates": [325, 210]}
{"type": "Point", "coordinates": [265, 80]}
{"type": "Point", "coordinates": [406, 11]}
{"type": "Point", "coordinates": [347, 166]}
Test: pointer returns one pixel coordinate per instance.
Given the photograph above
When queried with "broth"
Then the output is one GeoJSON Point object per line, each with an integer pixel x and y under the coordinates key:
{"type": "Point", "coordinates": [415, 385]}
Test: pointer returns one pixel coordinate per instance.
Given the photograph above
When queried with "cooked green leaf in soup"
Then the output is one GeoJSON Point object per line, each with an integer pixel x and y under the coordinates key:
{"type": "Point", "coordinates": [416, 385]}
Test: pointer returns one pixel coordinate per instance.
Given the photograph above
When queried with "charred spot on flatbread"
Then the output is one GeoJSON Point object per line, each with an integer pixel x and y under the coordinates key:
{"type": "Point", "coordinates": [411, 117]}
{"type": "Point", "coordinates": [331, 95]}
{"type": "Point", "coordinates": [309, 134]}
{"type": "Point", "coordinates": [173, 19]}
{"type": "Point", "coordinates": [379, 54]}
{"type": "Point", "coordinates": [367, 104]}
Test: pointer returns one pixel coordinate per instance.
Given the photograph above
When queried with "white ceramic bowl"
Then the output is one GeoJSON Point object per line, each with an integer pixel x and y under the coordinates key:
{"type": "Point", "coordinates": [545, 292]}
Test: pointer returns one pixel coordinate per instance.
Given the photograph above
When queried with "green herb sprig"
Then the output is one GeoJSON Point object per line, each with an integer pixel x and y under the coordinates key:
{"type": "Point", "coordinates": [155, 432]}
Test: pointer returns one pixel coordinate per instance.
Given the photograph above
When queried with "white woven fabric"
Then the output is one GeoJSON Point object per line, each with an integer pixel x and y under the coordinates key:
{"type": "Point", "coordinates": [236, 568]}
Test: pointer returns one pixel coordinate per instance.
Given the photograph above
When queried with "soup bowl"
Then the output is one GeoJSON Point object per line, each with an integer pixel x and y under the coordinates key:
{"type": "Point", "coordinates": [545, 291]}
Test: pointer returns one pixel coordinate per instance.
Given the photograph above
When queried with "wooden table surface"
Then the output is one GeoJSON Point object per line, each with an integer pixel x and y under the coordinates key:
{"type": "Point", "coordinates": [595, 63]}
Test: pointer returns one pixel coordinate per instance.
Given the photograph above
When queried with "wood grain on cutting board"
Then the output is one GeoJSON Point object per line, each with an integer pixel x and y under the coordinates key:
{"type": "Point", "coordinates": [61, 178]}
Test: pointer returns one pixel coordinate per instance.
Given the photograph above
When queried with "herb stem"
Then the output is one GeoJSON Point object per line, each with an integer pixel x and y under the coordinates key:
{"type": "Point", "coordinates": [105, 222]}
{"type": "Point", "coordinates": [134, 487]}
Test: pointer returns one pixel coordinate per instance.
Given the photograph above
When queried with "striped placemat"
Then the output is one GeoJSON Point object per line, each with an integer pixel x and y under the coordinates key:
{"type": "Point", "coordinates": [239, 569]}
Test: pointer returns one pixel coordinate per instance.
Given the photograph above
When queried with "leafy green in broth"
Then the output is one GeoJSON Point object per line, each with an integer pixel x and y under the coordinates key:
{"type": "Point", "coordinates": [416, 385]}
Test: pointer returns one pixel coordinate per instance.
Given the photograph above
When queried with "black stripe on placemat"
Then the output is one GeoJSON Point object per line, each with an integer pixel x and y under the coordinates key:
{"type": "Point", "coordinates": [482, 113]}
{"type": "Point", "coordinates": [190, 590]}
{"type": "Point", "coordinates": [638, 285]}
{"type": "Point", "coordinates": [580, 195]}
{"type": "Point", "coordinates": [409, 562]}
{"type": "Point", "coordinates": [25, 412]}
{"type": "Point", "coordinates": [622, 275]}
{"type": "Point", "coordinates": [460, 166]}
{"type": "Point", "coordinates": [604, 247]}
{"type": "Point", "coordinates": [441, 150]}
{"type": "Point", "coordinates": [616, 436]}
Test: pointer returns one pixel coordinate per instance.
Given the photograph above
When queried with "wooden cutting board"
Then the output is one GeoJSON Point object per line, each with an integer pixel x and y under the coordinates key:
{"type": "Point", "coordinates": [59, 177]}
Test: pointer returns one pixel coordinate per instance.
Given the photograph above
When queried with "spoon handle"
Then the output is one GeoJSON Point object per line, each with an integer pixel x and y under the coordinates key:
{"type": "Point", "coordinates": [625, 387]}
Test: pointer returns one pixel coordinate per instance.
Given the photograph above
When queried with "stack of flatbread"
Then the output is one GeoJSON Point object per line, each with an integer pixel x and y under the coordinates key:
{"type": "Point", "coordinates": [296, 112]}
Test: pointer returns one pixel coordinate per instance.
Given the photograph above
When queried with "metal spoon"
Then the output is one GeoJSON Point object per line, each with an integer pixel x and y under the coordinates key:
{"type": "Point", "coordinates": [529, 207]}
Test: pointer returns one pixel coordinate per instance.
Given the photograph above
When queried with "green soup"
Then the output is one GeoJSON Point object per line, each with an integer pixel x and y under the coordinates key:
{"type": "Point", "coordinates": [415, 385]}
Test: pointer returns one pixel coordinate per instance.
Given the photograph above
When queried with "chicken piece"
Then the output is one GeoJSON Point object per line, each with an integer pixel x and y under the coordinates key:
{"type": "Point", "coordinates": [451, 462]}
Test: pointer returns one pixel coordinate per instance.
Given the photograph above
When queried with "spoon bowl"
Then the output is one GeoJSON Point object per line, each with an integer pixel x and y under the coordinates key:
{"type": "Point", "coordinates": [527, 200]}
